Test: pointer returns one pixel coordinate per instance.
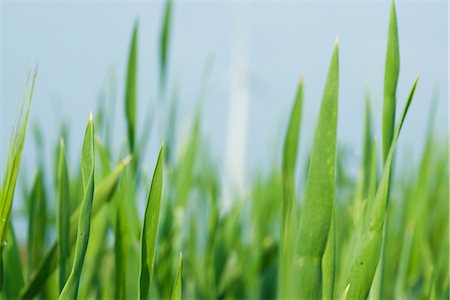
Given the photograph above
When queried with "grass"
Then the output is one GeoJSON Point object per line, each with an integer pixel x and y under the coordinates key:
{"type": "Point", "coordinates": [373, 235]}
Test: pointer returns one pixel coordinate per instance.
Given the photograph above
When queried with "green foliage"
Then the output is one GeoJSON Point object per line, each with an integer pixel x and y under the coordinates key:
{"type": "Point", "coordinates": [339, 235]}
{"type": "Point", "coordinates": [317, 208]}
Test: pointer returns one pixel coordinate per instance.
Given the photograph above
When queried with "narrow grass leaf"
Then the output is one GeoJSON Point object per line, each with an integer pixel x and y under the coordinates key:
{"type": "Point", "coordinates": [150, 229]}
{"type": "Point", "coordinates": [392, 68]}
{"type": "Point", "coordinates": [164, 43]}
{"type": "Point", "coordinates": [12, 168]}
{"type": "Point", "coordinates": [368, 249]}
{"type": "Point", "coordinates": [288, 169]}
{"type": "Point", "coordinates": [131, 89]}
{"type": "Point", "coordinates": [176, 291]}
{"type": "Point", "coordinates": [70, 290]}
{"type": "Point", "coordinates": [63, 215]}
{"type": "Point", "coordinates": [319, 195]}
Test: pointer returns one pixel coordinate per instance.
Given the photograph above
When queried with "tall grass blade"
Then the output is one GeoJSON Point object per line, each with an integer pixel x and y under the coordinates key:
{"type": "Point", "coordinates": [70, 290]}
{"type": "Point", "coordinates": [288, 169]}
{"type": "Point", "coordinates": [63, 215]}
{"type": "Point", "coordinates": [318, 204]}
{"type": "Point", "coordinates": [12, 167]}
{"type": "Point", "coordinates": [176, 291]}
{"type": "Point", "coordinates": [131, 89]}
{"type": "Point", "coordinates": [392, 68]}
{"type": "Point", "coordinates": [164, 44]}
{"type": "Point", "coordinates": [150, 229]}
{"type": "Point", "coordinates": [103, 193]}
{"type": "Point", "coordinates": [368, 249]}
{"type": "Point", "coordinates": [14, 279]}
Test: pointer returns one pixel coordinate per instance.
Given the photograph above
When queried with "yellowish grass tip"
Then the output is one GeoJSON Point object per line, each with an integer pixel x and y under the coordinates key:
{"type": "Point", "coordinates": [337, 40]}
{"type": "Point", "coordinates": [91, 118]}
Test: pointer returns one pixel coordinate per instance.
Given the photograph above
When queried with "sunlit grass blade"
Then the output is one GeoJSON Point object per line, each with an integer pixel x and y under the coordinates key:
{"type": "Point", "coordinates": [319, 195]}
{"type": "Point", "coordinates": [288, 172]}
{"type": "Point", "coordinates": [150, 229]}
{"type": "Point", "coordinates": [131, 89]}
{"type": "Point", "coordinates": [70, 290]}
{"type": "Point", "coordinates": [63, 215]}
{"type": "Point", "coordinates": [367, 251]}
{"type": "Point", "coordinates": [164, 44]}
{"type": "Point", "coordinates": [392, 68]}
{"type": "Point", "coordinates": [12, 167]}
{"type": "Point", "coordinates": [176, 291]}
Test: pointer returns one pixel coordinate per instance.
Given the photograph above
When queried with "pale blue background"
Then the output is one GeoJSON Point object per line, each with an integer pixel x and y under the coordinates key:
{"type": "Point", "coordinates": [78, 44]}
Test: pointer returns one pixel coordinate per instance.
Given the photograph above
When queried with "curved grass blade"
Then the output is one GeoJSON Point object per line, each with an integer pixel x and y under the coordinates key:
{"type": "Point", "coordinates": [63, 217]}
{"type": "Point", "coordinates": [164, 44]}
{"type": "Point", "coordinates": [12, 167]}
{"type": "Point", "coordinates": [289, 162]}
{"type": "Point", "coordinates": [392, 68]}
{"type": "Point", "coordinates": [150, 229]}
{"type": "Point", "coordinates": [176, 291]}
{"type": "Point", "coordinates": [70, 290]}
{"type": "Point", "coordinates": [131, 89]}
{"type": "Point", "coordinates": [368, 249]}
{"type": "Point", "coordinates": [319, 195]}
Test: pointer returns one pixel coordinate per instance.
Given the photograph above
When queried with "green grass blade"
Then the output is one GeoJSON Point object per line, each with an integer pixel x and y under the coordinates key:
{"type": "Point", "coordinates": [103, 193]}
{"type": "Point", "coordinates": [368, 249]}
{"type": "Point", "coordinates": [131, 89]}
{"type": "Point", "coordinates": [289, 163]}
{"type": "Point", "coordinates": [328, 263]}
{"type": "Point", "coordinates": [319, 195]}
{"type": "Point", "coordinates": [12, 168]}
{"type": "Point", "coordinates": [14, 280]}
{"type": "Point", "coordinates": [70, 290]}
{"type": "Point", "coordinates": [164, 43]}
{"type": "Point", "coordinates": [63, 215]}
{"type": "Point", "coordinates": [176, 291]}
{"type": "Point", "coordinates": [150, 229]}
{"type": "Point", "coordinates": [392, 68]}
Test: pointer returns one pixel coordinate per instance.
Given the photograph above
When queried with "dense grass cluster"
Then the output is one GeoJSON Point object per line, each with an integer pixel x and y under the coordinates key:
{"type": "Point", "coordinates": [371, 236]}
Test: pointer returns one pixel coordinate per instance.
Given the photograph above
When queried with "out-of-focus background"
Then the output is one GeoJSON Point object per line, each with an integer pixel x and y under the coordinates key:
{"type": "Point", "coordinates": [257, 53]}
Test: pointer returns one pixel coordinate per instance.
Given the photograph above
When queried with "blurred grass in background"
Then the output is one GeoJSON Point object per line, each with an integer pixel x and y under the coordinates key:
{"type": "Point", "coordinates": [371, 235]}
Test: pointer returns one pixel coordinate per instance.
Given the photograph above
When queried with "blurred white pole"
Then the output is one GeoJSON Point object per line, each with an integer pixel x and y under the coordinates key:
{"type": "Point", "coordinates": [234, 169]}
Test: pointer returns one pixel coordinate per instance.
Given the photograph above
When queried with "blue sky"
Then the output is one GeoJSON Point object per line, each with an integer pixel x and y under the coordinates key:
{"type": "Point", "coordinates": [79, 46]}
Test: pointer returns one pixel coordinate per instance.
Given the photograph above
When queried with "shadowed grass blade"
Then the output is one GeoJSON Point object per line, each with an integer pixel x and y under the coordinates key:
{"type": "Point", "coordinates": [13, 267]}
{"type": "Point", "coordinates": [70, 290]}
{"type": "Point", "coordinates": [63, 215]}
{"type": "Point", "coordinates": [150, 229]}
{"type": "Point", "coordinates": [289, 163]}
{"type": "Point", "coordinates": [368, 249]}
{"type": "Point", "coordinates": [319, 195]}
{"type": "Point", "coordinates": [176, 292]}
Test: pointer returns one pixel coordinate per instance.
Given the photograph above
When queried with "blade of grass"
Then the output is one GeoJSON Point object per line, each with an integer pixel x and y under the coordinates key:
{"type": "Point", "coordinates": [289, 162]}
{"type": "Point", "coordinates": [63, 217]}
{"type": "Point", "coordinates": [392, 68]}
{"type": "Point", "coordinates": [70, 290]}
{"type": "Point", "coordinates": [131, 89]}
{"type": "Point", "coordinates": [319, 195]}
{"type": "Point", "coordinates": [176, 291]}
{"type": "Point", "coordinates": [164, 44]}
{"type": "Point", "coordinates": [328, 263]}
{"type": "Point", "coordinates": [368, 248]}
{"type": "Point", "coordinates": [103, 193]}
{"type": "Point", "coordinates": [150, 229]}
{"type": "Point", "coordinates": [14, 280]}
{"type": "Point", "coordinates": [12, 168]}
